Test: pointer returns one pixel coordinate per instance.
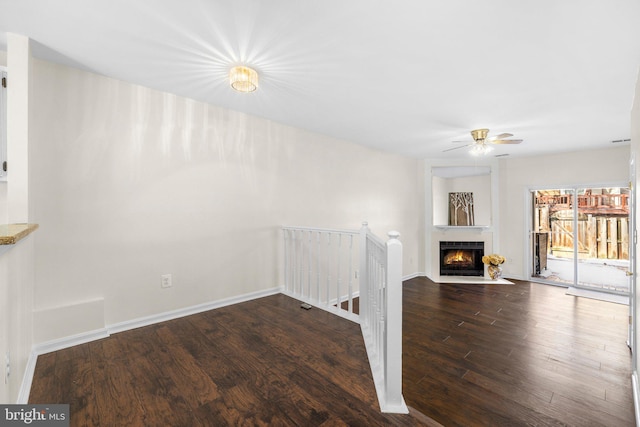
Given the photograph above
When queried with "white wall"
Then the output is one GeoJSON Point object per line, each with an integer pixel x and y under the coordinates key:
{"type": "Point", "coordinates": [517, 175]}
{"type": "Point", "coordinates": [479, 185]}
{"type": "Point", "coordinates": [16, 306]}
{"type": "Point", "coordinates": [129, 183]}
{"type": "Point", "coordinates": [17, 275]}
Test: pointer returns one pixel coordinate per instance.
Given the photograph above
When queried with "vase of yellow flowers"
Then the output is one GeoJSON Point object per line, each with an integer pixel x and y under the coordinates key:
{"type": "Point", "coordinates": [493, 262]}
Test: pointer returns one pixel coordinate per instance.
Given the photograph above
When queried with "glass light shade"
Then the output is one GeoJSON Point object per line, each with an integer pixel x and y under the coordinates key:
{"type": "Point", "coordinates": [243, 79]}
{"type": "Point", "coordinates": [480, 149]}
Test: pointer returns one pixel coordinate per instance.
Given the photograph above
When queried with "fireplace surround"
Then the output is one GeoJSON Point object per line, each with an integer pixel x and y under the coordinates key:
{"type": "Point", "coordinates": [461, 258]}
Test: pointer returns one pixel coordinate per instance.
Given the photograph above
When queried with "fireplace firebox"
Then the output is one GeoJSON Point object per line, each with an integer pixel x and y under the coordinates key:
{"type": "Point", "coordinates": [461, 259]}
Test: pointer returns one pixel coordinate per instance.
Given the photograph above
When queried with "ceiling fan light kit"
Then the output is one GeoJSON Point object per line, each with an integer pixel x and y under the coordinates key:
{"type": "Point", "coordinates": [482, 144]}
{"type": "Point", "coordinates": [480, 149]}
{"type": "Point", "coordinates": [243, 79]}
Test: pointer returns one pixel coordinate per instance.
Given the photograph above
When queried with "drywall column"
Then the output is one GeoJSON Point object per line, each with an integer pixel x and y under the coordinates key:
{"type": "Point", "coordinates": [19, 72]}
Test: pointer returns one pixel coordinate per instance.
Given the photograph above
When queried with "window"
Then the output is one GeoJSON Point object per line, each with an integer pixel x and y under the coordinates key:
{"type": "Point", "coordinates": [581, 237]}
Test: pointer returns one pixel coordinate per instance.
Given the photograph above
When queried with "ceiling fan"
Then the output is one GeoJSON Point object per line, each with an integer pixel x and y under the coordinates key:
{"type": "Point", "coordinates": [481, 144]}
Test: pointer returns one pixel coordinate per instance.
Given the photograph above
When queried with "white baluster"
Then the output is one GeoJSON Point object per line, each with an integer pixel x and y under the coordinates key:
{"type": "Point", "coordinates": [350, 296]}
{"type": "Point", "coordinates": [309, 264]}
{"type": "Point", "coordinates": [380, 287]}
{"type": "Point", "coordinates": [363, 276]}
{"type": "Point", "coordinates": [339, 281]}
{"type": "Point", "coordinates": [288, 259]}
{"type": "Point", "coordinates": [294, 270]}
{"type": "Point", "coordinates": [318, 251]}
{"type": "Point", "coordinates": [301, 261]}
{"type": "Point", "coordinates": [328, 266]}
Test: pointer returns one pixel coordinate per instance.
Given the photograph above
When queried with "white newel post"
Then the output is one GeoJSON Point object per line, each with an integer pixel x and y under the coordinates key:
{"type": "Point", "coordinates": [393, 345]}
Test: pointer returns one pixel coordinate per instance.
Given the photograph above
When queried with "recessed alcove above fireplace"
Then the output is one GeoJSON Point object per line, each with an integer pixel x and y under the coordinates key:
{"type": "Point", "coordinates": [475, 181]}
{"type": "Point", "coordinates": [461, 259]}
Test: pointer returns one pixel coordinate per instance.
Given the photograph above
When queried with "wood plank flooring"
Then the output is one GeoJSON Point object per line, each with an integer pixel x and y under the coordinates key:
{"type": "Point", "coordinates": [503, 355]}
{"type": "Point", "coordinates": [474, 355]}
{"type": "Point", "coordinates": [263, 362]}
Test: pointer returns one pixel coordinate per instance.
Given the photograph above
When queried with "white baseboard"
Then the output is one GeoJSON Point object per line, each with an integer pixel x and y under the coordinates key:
{"type": "Point", "coordinates": [636, 396]}
{"type": "Point", "coordinates": [344, 298]}
{"type": "Point", "coordinates": [27, 379]}
{"type": "Point", "coordinates": [331, 306]}
{"type": "Point", "coordinates": [414, 275]}
{"type": "Point", "coordinates": [83, 338]}
{"type": "Point", "coordinates": [70, 341]}
{"type": "Point", "coordinates": [188, 311]}
{"type": "Point", "coordinates": [48, 347]}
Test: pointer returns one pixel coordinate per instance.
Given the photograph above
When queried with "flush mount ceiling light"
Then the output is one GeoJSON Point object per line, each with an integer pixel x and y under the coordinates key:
{"type": "Point", "coordinates": [243, 79]}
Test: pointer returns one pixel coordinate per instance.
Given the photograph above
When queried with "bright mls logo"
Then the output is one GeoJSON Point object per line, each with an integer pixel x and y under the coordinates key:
{"type": "Point", "coordinates": [34, 415]}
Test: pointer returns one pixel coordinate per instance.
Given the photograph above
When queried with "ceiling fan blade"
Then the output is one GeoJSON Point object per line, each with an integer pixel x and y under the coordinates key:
{"type": "Point", "coordinates": [501, 136]}
{"type": "Point", "coordinates": [505, 141]}
{"type": "Point", "coordinates": [456, 148]}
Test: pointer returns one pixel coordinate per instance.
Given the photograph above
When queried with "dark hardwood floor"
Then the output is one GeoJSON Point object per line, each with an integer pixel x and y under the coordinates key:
{"type": "Point", "coordinates": [474, 355]}
{"type": "Point", "coordinates": [503, 355]}
{"type": "Point", "coordinates": [263, 362]}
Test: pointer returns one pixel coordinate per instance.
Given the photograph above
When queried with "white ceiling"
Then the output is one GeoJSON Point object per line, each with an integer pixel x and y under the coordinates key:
{"type": "Point", "coordinates": [407, 76]}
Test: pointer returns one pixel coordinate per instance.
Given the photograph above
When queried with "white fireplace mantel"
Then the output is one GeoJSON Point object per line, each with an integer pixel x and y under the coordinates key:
{"type": "Point", "coordinates": [462, 234]}
{"type": "Point", "coordinates": [479, 228]}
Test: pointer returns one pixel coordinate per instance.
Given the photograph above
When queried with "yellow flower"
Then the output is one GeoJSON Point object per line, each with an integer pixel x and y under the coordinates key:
{"type": "Point", "coordinates": [493, 259]}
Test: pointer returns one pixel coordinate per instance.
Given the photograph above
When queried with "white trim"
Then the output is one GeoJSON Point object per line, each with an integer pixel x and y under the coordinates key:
{"type": "Point", "coordinates": [48, 347]}
{"type": "Point", "coordinates": [331, 306]}
{"type": "Point", "coordinates": [636, 396]}
{"type": "Point", "coordinates": [322, 230]}
{"type": "Point", "coordinates": [70, 341]}
{"type": "Point", "coordinates": [414, 275]}
{"type": "Point", "coordinates": [188, 311]}
{"type": "Point", "coordinates": [478, 228]}
{"type": "Point", "coordinates": [27, 379]}
{"type": "Point", "coordinates": [527, 211]}
{"type": "Point", "coordinates": [344, 298]}
{"type": "Point", "coordinates": [83, 338]}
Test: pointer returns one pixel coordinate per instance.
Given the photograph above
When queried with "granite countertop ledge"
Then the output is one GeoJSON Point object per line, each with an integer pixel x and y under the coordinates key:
{"type": "Point", "coordinates": [10, 234]}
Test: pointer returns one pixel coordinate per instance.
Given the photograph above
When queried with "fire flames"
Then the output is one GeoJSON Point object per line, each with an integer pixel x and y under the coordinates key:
{"type": "Point", "coordinates": [458, 257]}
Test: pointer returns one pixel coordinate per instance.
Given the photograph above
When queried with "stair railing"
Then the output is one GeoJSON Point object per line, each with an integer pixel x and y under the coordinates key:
{"type": "Point", "coordinates": [331, 269]}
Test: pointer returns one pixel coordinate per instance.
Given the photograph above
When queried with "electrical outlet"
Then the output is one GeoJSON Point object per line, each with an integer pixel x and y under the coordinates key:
{"type": "Point", "coordinates": [165, 281]}
{"type": "Point", "coordinates": [7, 368]}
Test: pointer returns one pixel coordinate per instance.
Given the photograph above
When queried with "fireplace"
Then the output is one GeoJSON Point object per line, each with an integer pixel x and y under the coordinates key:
{"type": "Point", "coordinates": [461, 259]}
